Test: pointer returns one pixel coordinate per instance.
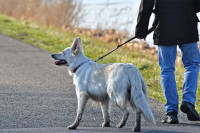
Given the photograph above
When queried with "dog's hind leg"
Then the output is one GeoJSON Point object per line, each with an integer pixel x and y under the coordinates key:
{"type": "Point", "coordinates": [105, 111]}
{"type": "Point", "coordinates": [82, 100]}
{"type": "Point", "coordinates": [122, 104]}
{"type": "Point", "coordinates": [137, 117]}
{"type": "Point", "coordinates": [138, 121]}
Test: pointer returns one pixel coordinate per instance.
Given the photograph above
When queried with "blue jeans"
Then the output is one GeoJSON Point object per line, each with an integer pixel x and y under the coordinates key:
{"type": "Point", "coordinates": [191, 61]}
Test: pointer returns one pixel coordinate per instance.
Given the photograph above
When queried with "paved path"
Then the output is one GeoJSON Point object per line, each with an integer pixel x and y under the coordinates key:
{"type": "Point", "coordinates": [37, 97]}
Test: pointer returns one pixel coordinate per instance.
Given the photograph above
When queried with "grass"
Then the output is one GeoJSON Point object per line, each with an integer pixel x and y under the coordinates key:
{"type": "Point", "coordinates": [55, 40]}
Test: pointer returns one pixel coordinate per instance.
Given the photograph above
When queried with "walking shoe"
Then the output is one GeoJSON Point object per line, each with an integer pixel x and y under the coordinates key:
{"type": "Point", "coordinates": [170, 118]}
{"type": "Point", "coordinates": [189, 109]}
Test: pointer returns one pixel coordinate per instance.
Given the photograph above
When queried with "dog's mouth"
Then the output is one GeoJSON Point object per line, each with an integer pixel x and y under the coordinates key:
{"type": "Point", "coordinates": [60, 62]}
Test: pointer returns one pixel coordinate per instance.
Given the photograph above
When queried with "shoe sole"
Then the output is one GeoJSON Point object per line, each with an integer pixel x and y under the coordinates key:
{"type": "Point", "coordinates": [192, 118]}
{"type": "Point", "coordinates": [174, 122]}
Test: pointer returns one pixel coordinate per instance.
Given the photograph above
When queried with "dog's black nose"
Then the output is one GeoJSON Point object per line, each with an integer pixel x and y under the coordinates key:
{"type": "Point", "coordinates": [53, 55]}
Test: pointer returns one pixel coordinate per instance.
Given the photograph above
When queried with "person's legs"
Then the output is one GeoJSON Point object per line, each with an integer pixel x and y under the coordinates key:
{"type": "Point", "coordinates": [167, 57]}
{"type": "Point", "coordinates": [191, 61]}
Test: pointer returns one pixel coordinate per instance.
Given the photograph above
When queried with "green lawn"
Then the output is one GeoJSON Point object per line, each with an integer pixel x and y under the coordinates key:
{"type": "Point", "coordinates": [55, 40]}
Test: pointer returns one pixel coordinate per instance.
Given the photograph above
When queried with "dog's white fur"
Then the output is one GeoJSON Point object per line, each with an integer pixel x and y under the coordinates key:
{"type": "Point", "coordinates": [118, 82]}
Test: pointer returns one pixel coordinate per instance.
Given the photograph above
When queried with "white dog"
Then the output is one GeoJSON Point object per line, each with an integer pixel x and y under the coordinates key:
{"type": "Point", "coordinates": [118, 82]}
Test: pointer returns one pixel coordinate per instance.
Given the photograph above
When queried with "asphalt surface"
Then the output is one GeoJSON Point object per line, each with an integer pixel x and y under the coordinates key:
{"type": "Point", "coordinates": [38, 97]}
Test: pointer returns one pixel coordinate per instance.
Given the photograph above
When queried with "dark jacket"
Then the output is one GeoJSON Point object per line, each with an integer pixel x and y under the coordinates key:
{"type": "Point", "coordinates": [175, 21]}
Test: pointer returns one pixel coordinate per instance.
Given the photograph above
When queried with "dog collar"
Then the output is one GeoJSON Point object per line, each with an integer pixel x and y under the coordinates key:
{"type": "Point", "coordinates": [75, 69]}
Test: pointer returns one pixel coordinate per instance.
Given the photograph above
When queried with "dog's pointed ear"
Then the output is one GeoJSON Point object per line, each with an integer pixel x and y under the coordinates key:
{"type": "Point", "coordinates": [76, 46]}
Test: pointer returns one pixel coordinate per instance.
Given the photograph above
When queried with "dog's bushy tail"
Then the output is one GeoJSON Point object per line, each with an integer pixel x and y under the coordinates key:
{"type": "Point", "coordinates": [139, 98]}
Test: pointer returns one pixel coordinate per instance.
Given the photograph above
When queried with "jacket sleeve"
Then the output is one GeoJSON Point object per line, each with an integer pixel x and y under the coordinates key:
{"type": "Point", "coordinates": [197, 5]}
{"type": "Point", "coordinates": [145, 10]}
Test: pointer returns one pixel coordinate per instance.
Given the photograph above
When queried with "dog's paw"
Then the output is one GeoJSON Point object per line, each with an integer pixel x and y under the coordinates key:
{"type": "Point", "coordinates": [72, 127]}
{"type": "Point", "coordinates": [120, 125]}
{"type": "Point", "coordinates": [136, 129]}
{"type": "Point", "coordinates": [106, 124]}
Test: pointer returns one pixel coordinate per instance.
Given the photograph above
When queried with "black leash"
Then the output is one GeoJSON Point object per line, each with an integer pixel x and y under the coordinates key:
{"type": "Point", "coordinates": [149, 31]}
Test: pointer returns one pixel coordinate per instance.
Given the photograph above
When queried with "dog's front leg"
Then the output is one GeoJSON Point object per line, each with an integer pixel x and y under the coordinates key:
{"type": "Point", "coordinates": [105, 111]}
{"type": "Point", "coordinates": [82, 100]}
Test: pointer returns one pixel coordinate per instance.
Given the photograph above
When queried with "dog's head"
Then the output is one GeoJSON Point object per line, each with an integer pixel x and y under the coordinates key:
{"type": "Point", "coordinates": [68, 55]}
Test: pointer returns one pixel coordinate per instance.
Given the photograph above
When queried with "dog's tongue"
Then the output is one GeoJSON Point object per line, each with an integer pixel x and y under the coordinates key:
{"type": "Point", "coordinates": [60, 62]}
